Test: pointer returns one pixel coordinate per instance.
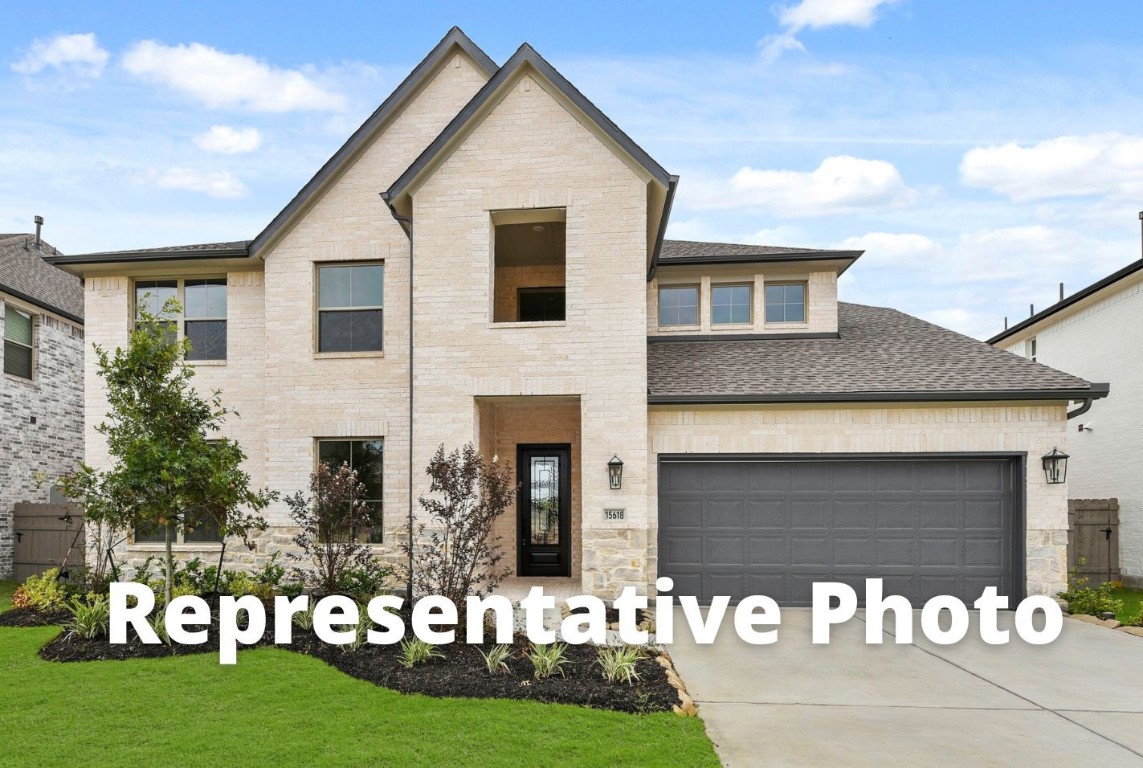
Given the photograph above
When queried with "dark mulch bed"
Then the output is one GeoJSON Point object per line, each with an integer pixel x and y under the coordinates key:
{"type": "Point", "coordinates": [462, 673]}
{"type": "Point", "coordinates": [32, 617]}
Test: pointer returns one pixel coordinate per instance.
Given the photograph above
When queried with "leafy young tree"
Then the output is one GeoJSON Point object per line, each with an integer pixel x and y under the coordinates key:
{"type": "Point", "coordinates": [329, 522]}
{"type": "Point", "coordinates": [169, 467]}
{"type": "Point", "coordinates": [457, 555]}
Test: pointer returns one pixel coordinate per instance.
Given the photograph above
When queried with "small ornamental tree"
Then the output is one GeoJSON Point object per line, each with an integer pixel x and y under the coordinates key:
{"type": "Point", "coordinates": [169, 466]}
{"type": "Point", "coordinates": [330, 521]}
{"type": "Point", "coordinates": [458, 555]}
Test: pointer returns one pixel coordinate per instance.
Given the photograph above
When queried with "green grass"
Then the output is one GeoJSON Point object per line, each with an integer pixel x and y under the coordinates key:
{"type": "Point", "coordinates": [6, 590]}
{"type": "Point", "coordinates": [1132, 604]}
{"type": "Point", "coordinates": [281, 708]}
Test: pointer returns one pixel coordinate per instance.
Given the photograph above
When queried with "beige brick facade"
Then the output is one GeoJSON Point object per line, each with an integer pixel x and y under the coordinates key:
{"type": "Point", "coordinates": [478, 376]}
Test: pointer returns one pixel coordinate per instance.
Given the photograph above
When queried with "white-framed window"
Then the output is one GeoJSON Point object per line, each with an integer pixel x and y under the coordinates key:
{"type": "Point", "coordinates": [19, 342]}
{"type": "Point", "coordinates": [350, 307]}
{"type": "Point", "coordinates": [785, 302]}
{"type": "Point", "coordinates": [203, 319]}
{"type": "Point", "coordinates": [1032, 349]}
{"type": "Point", "coordinates": [731, 304]}
{"type": "Point", "coordinates": [678, 305]}
{"type": "Point", "coordinates": [367, 456]}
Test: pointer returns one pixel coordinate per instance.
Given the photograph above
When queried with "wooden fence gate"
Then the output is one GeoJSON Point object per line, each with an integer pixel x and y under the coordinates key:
{"type": "Point", "coordinates": [46, 537]}
{"type": "Point", "coordinates": [1093, 539]}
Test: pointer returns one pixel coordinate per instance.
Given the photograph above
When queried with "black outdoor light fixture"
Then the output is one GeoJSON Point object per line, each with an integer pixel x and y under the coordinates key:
{"type": "Point", "coordinates": [615, 472]}
{"type": "Point", "coordinates": [1055, 466]}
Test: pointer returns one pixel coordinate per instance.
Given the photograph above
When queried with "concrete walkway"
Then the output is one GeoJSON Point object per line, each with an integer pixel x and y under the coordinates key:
{"type": "Point", "coordinates": [1077, 701]}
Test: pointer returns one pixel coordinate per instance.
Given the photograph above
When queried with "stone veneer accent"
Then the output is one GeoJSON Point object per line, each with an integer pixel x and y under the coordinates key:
{"type": "Point", "coordinates": [34, 456]}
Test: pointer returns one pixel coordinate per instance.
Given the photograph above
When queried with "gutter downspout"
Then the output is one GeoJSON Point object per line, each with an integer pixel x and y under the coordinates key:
{"type": "Point", "coordinates": [1082, 409]}
{"type": "Point", "coordinates": [406, 223]}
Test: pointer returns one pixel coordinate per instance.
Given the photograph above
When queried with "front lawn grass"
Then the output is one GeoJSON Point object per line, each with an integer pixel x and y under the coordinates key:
{"type": "Point", "coordinates": [276, 707]}
{"type": "Point", "coordinates": [6, 590]}
{"type": "Point", "coordinates": [1132, 604]}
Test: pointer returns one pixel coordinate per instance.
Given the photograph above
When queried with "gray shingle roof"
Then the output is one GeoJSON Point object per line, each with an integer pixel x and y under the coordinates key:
{"type": "Point", "coordinates": [24, 273]}
{"type": "Point", "coordinates": [690, 249]}
{"type": "Point", "coordinates": [878, 351]}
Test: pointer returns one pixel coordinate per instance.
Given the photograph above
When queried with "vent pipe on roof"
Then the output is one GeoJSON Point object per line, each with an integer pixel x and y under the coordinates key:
{"type": "Point", "coordinates": [1031, 309]}
{"type": "Point", "coordinates": [39, 225]}
{"type": "Point", "coordinates": [1006, 322]}
{"type": "Point", "coordinates": [1061, 291]}
{"type": "Point", "coordinates": [1141, 230]}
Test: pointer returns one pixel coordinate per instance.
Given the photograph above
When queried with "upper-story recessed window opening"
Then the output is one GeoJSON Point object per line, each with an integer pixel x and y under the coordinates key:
{"type": "Point", "coordinates": [19, 329]}
{"type": "Point", "coordinates": [1032, 349]}
{"type": "Point", "coordinates": [350, 307]}
{"type": "Point", "coordinates": [530, 269]}
{"type": "Point", "coordinates": [730, 304]}
{"type": "Point", "coordinates": [786, 302]}
{"type": "Point", "coordinates": [679, 305]}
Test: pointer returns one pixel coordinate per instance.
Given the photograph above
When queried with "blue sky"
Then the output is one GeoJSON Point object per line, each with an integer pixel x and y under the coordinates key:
{"type": "Point", "coordinates": [980, 153]}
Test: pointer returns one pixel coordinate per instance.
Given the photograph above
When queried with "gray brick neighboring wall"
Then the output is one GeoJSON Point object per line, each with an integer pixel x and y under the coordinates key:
{"type": "Point", "coordinates": [54, 444]}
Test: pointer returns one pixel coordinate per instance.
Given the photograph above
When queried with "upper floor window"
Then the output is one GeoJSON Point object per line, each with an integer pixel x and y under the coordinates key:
{"type": "Point", "coordinates": [1032, 349]}
{"type": "Point", "coordinates": [785, 302]}
{"type": "Point", "coordinates": [730, 304]}
{"type": "Point", "coordinates": [350, 307]}
{"type": "Point", "coordinates": [203, 319]}
{"type": "Point", "coordinates": [18, 332]}
{"type": "Point", "coordinates": [529, 265]}
{"type": "Point", "coordinates": [679, 305]}
{"type": "Point", "coordinates": [365, 456]}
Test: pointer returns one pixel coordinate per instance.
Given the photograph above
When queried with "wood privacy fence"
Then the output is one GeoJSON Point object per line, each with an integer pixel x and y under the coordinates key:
{"type": "Point", "coordinates": [46, 537]}
{"type": "Point", "coordinates": [1093, 539]}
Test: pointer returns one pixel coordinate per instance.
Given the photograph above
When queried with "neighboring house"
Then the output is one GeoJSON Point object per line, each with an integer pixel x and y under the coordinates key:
{"type": "Point", "coordinates": [41, 390]}
{"type": "Point", "coordinates": [1097, 333]}
{"type": "Point", "coordinates": [484, 261]}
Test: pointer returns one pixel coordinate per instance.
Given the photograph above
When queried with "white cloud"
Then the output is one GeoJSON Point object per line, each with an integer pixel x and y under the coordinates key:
{"type": "Point", "coordinates": [841, 183]}
{"type": "Point", "coordinates": [889, 249]}
{"type": "Point", "coordinates": [1100, 164]}
{"type": "Point", "coordinates": [229, 141]}
{"type": "Point", "coordinates": [77, 54]}
{"type": "Point", "coordinates": [221, 79]}
{"type": "Point", "coordinates": [214, 184]}
{"type": "Point", "coordinates": [816, 14]}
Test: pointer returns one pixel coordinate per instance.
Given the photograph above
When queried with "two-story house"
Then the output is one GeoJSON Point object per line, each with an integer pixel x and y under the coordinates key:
{"type": "Point", "coordinates": [41, 389]}
{"type": "Point", "coordinates": [484, 261]}
{"type": "Point", "coordinates": [1096, 332]}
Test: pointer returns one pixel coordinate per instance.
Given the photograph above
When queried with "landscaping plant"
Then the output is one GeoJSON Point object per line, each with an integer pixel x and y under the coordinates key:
{"type": "Point", "coordinates": [547, 660]}
{"type": "Point", "coordinates": [43, 592]}
{"type": "Point", "coordinates": [91, 617]}
{"type": "Point", "coordinates": [1083, 599]}
{"type": "Point", "coordinates": [496, 659]}
{"type": "Point", "coordinates": [416, 651]}
{"type": "Point", "coordinates": [170, 468]}
{"type": "Point", "coordinates": [456, 554]}
{"type": "Point", "coordinates": [618, 663]}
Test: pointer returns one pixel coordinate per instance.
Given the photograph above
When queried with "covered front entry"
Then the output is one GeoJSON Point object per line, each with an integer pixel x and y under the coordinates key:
{"type": "Point", "coordinates": [772, 525]}
{"type": "Point", "coordinates": [539, 537]}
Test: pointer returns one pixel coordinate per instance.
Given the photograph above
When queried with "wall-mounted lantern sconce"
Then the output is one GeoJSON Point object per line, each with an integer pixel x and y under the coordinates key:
{"type": "Point", "coordinates": [1055, 466]}
{"type": "Point", "coordinates": [615, 473]}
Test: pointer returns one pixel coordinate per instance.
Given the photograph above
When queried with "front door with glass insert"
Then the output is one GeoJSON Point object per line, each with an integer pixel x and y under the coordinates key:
{"type": "Point", "coordinates": [544, 510]}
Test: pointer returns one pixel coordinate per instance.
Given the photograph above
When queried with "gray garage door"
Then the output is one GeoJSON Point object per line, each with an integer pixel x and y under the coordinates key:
{"type": "Point", "coordinates": [773, 527]}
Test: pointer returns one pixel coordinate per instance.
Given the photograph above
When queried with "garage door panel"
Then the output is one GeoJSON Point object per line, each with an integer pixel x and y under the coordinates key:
{"type": "Point", "coordinates": [853, 514]}
{"type": "Point", "coordinates": [851, 551]}
{"type": "Point", "coordinates": [768, 514]}
{"type": "Point", "coordinates": [927, 527]}
{"type": "Point", "coordinates": [940, 552]}
{"type": "Point", "coordinates": [726, 550]}
{"type": "Point", "coordinates": [937, 514]}
{"type": "Point", "coordinates": [809, 514]}
{"type": "Point", "coordinates": [729, 514]}
{"type": "Point", "coordinates": [767, 551]}
{"type": "Point", "coordinates": [896, 552]}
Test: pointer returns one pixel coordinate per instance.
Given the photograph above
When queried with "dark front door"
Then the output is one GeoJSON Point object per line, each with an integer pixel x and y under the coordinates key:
{"type": "Point", "coordinates": [544, 510]}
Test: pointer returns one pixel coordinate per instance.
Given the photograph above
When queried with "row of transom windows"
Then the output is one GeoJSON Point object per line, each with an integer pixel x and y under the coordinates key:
{"type": "Point", "coordinates": [732, 304]}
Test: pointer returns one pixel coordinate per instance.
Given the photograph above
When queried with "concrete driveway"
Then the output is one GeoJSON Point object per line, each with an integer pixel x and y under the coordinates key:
{"type": "Point", "coordinates": [1077, 701]}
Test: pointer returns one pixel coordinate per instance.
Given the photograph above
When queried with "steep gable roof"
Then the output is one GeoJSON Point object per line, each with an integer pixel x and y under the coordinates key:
{"type": "Point", "coordinates": [397, 100]}
{"type": "Point", "coordinates": [879, 355]}
{"type": "Point", "coordinates": [25, 275]}
{"type": "Point", "coordinates": [525, 56]}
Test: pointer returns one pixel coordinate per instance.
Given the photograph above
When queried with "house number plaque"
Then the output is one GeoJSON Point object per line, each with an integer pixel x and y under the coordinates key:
{"type": "Point", "coordinates": [614, 515]}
